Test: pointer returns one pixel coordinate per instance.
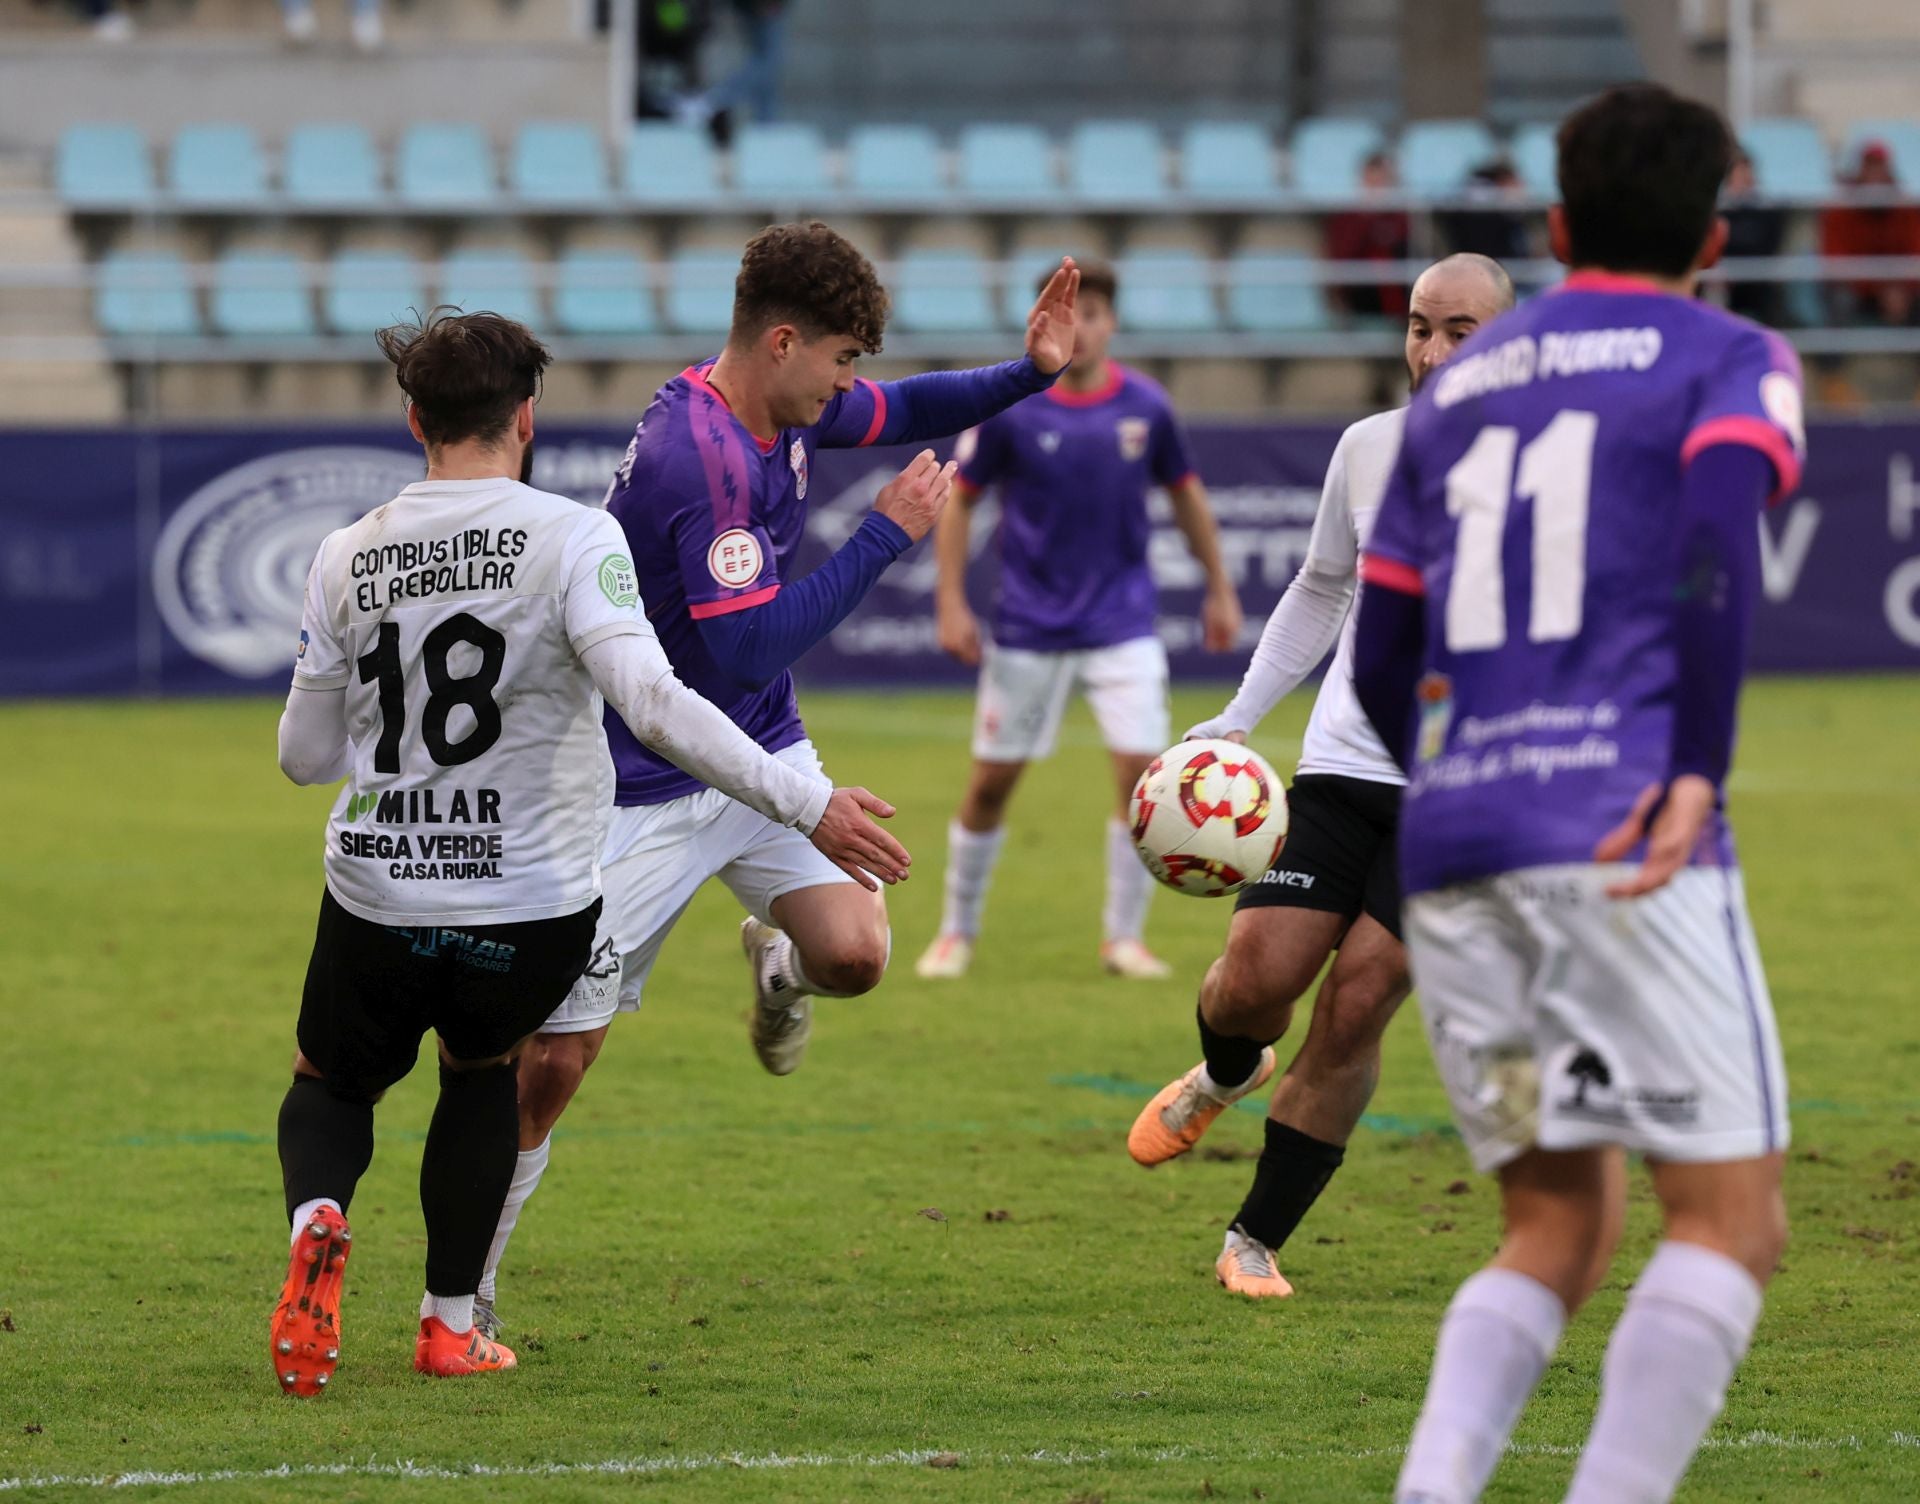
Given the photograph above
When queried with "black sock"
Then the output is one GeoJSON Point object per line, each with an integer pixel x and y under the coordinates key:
{"type": "Point", "coordinates": [1294, 1169]}
{"type": "Point", "coordinates": [465, 1170]}
{"type": "Point", "coordinates": [1230, 1059]}
{"type": "Point", "coordinates": [326, 1143]}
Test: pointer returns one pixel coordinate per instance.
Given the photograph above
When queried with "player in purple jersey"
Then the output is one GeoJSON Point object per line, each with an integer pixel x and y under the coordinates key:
{"type": "Point", "coordinates": [1567, 560]}
{"type": "Point", "coordinates": [712, 495]}
{"type": "Point", "coordinates": [1076, 605]}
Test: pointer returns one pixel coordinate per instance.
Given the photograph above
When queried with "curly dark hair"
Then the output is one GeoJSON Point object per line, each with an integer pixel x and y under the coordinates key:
{"type": "Point", "coordinates": [809, 276]}
{"type": "Point", "coordinates": [464, 373]}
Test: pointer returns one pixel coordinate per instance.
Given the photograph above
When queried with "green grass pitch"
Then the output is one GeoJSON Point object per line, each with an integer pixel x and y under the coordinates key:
{"type": "Point", "coordinates": [735, 1287]}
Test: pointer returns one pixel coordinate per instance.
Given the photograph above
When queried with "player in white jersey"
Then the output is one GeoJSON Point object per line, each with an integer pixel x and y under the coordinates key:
{"type": "Point", "coordinates": [1334, 887]}
{"type": "Point", "coordinates": [454, 650]}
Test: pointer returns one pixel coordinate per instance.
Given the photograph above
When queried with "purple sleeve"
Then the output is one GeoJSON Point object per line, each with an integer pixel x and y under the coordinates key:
{"type": "Point", "coordinates": [704, 475]}
{"type": "Point", "coordinates": [983, 453]}
{"type": "Point", "coordinates": [931, 406]}
{"type": "Point", "coordinates": [753, 648]}
{"type": "Point", "coordinates": [1389, 644]}
{"type": "Point", "coordinates": [1753, 398]}
{"type": "Point", "coordinates": [1169, 459]}
{"type": "Point", "coordinates": [1726, 487]}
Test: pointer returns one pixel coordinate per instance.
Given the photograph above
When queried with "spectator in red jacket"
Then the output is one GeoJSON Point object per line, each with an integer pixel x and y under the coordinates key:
{"type": "Point", "coordinates": [1371, 235]}
{"type": "Point", "coordinates": [1883, 230]}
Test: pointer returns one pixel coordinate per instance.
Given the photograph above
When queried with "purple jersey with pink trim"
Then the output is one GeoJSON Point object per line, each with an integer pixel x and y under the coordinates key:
{"type": "Point", "coordinates": [1533, 506]}
{"type": "Point", "coordinates": [1074, 469]}
{"type": "Point", "coordinates": [714, 517]}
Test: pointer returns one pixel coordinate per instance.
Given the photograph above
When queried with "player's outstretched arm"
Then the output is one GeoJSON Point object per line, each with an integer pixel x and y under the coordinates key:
{"type": "Point", "coordinates": [1301, 631]}
{"type": "Point", "coordinates": [1220, 614]}
{"type": "Point", "coordinates": [313, 736]}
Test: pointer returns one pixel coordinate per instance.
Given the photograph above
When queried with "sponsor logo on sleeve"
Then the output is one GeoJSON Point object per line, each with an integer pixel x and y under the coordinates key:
{"type": "Point", "coordinates": [1133, 433]}
{"type": "Point", "coordinates": [734, 558]}
{"type": "Point", "coordinates": [797, 458]}
{"type": "Point", "coordinates": [1780, 396]}
{"type": "Point", "coordinates": [618, 582]}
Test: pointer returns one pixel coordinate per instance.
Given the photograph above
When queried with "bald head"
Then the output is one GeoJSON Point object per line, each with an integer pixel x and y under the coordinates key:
{"type": "Point", "coordinates": [1451, 300]}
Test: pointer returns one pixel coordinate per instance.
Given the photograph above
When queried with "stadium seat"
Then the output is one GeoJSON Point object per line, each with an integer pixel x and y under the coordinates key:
{"type": "Point", "coordinates": [446, 164]}
{"type": "Point", "coordinates": [1007, 161]}
{"type": "Point", "coordinates": [669, 163]}
{"type": "Point", "coordinates": [492, 281]}
{"type": "Point", "coordinates": [331, 165]}
{"type": "Point", "coordinates": [894, 161]}
{"type": "Point", "coordinates": [262, 294]}
{"type": "Point", "coordinates": [1327, 154]}
{"type": "Point", "coordinates": [218, 164]}
{"type": "Point", "coordinates": [555, 162]}
{"type": "Point", "coordinates": [1789, 158]}
{"type": "Point", "coordinates": [103, 164]}
{"type": "Point", "coordinates": [1166, 292]}
{"type": "Point", "coordinates": [1262, 298]}
{"type": "Point", "coordinates": [603, 292]}
{"type": "Point", "coordinates": [1902, 139]}
{"type": "Point", "coordinates": [1117, 161]}
{"type": "Point", "coordinates": [367, 290]}
{"type": "Point", "coordinates": [1437, 155]}
{"type": "Point", "coordinates": [1536, 158]}
{"type": "Point", "coordinates": [944, 292]}
{"type": "Point", "coordinates": [1228, 159]}
{"type": "Point", "coordinates": [781, 162]}
{"type": "Point", "coordinates": [145, 293]}
{"type": "Point", "coordinates": [700, 291]}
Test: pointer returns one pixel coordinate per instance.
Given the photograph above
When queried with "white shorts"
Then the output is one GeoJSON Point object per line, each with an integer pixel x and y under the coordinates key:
{"type": "Point", "coordinates": [1023, 696]}
{"type": "Point", "coordinates": [1565, 1019]}
{"type": "Point", "coordinates": [656, 858]}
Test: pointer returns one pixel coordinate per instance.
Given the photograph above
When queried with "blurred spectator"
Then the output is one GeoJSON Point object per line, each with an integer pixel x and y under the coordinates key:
{"type": "Point", "coordinates": [302, 24]}
{"type": "Point", "coordinates": [1873, 230]}
{"type": "Point", "coordinates": [110, 22]}
{"type": "Point", "coordinates": [1370, 235]}
{"type": "Point", "coordinates": [1753, 229]}
{"type": "Point", "coordinates": [1491, 226]}
{"type": "Point", "coordinates": [756, 82]}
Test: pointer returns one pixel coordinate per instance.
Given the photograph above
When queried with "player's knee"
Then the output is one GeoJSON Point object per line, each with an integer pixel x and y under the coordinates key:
{"type": "Point", "coordinates": [850, 967]}
{"type": "Point", "coordinates": [550, 1072]}
{"type": "Point", "coordinates": [1360, 1007]}
{"type": "Point", "coordinates": [1241, 999]}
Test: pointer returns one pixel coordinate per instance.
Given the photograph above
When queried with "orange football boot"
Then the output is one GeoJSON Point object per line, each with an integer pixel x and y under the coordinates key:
{"type": "Point", "coordinates": [1246, 1266]}
{"type": "Point", "coordinates": [1182, 1110]}
{"type": "Point", "coordinates": [305, 1334]}
{"type": "Point", "coordinates": [447, 1354]}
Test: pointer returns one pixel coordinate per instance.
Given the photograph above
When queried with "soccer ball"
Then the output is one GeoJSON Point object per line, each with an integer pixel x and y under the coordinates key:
{"type": "Point", "coordinates": [1209, 817]}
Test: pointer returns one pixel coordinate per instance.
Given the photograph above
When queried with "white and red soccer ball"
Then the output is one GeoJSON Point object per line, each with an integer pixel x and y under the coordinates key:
{"type": "Point", "coordinates": [1209, 817]}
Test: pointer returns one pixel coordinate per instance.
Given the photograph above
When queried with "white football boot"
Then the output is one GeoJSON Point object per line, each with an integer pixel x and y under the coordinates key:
{"type": "Point", "coordinates": [1130, 958]}
{"type": "Point", "coordinates": [947, 959]}
{"type": "Point", "coordinates": [782, 1019]}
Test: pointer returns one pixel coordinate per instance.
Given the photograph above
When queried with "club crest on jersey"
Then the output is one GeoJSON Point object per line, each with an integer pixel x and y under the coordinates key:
{"type": "Point", "coordinates": [1435, 696]}
{"type": "Point", "coordinates": [797, 459]}
{"type": "Point", "coordinates": [1049, 442]}
{"type": "Point", "coordinates": [1133, 434]}
{"type": "Point", "coordinates": [733, 559]}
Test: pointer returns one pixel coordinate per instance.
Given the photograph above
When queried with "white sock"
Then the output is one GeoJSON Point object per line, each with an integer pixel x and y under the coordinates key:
{"type": "Point", "coordinates": [1129, 886]}
{"type": "Point", "coordinates": [527, 1170]}
{"type": "Point", "coordinates": [971, 855]}
{"type": "Point", "coordinates": [1684, 1331]}
{"type": "Point", "coordinates": [303, 1213]}
{"type": "Point", "coordinates": [455, 1310]}
{"type": "Point", "coordinates": [1494, 1344]}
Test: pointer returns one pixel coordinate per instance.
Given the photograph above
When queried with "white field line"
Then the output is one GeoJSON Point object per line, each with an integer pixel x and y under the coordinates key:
{"type": "Point", "coordinates": [720, 1462]}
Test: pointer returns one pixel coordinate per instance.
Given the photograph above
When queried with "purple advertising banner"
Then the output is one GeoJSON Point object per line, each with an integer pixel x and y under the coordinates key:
{"type": "Point", "coordinates": [171, 561]}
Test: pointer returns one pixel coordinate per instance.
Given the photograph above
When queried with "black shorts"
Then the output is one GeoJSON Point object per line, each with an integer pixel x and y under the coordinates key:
{"type": "Point", "coordinates": [1341, 856]}
{"type": "Point", "coordinates": [373, 989]}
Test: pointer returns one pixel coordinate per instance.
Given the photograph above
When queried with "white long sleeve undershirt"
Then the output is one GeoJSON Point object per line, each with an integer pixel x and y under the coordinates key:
{"type": "Point", "coordinates": [1302, 630]}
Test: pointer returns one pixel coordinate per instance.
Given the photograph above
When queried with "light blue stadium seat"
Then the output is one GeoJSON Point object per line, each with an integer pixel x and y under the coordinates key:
{"type": "Point", "coordinates": [700, 291]}
{"type": "Point", "coordinates": [1166, 292]}
{"type": "Point", "coordinates": [1437, 155]}
{"type": "Point", "coordinates": [781, 162]}
{"type": "Point", "coordinates": [1902, 139]}
{"type": "Point", "coordinates": [332, 165]}
{"type": "Point", "coordinates": [218, 164]}
{"type": "Point", "coordinates": [262, 295]}
{"type": "Point", "coordinates": [603, 292]}
{"type": "Point", "coordinates": [1117, 160]}
{"type": "Point", "coordinates": [1007, 161]}
{"type": "Point", "coordinates": [669, 163]}
{"type": "Point", "coordinates": [894, 161]}
{"type": "Point", "coordinates": [1262, 298]}
{"type": "Point", "coordinates": [446, 164]}
{"type": "Point", "coordinates": [482, 280]}
{"type": "Point", "coordinates": [103, 165]}
{"type": "Point", "coordinates": [1228, 159]}
{"type": "Point", "coordinates": [1327, 154]}
{"type": "Point", "coordinates": [556, 162]}
{"type": "Point", "coordinates": [367, 290]}
{"type": "Point", "coordinates": [1536, 157]}
{"type": "Point", "coordinates": [1789, 158]}
{"type": "Point", "coordinates": [145, 293]}
{"type": "Point", "coordinates": [944, 292]}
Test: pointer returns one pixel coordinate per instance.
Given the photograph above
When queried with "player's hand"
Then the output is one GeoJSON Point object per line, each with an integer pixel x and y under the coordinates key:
{"type": "Point", "coordinates": [914, 499]}
{"type": "Point", "coordinates": [958, 632]}
{"type": "Point", "coordinates": [1669, 818]}
{"type": "Point", "coordinates": [1051, 324]}
{"type": "Point", "coordinates": [1220, 619]}
{"type": "Point", "coordinates": [1213, 731]}
{"type": "Point", "coordinates": [854, 844]}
